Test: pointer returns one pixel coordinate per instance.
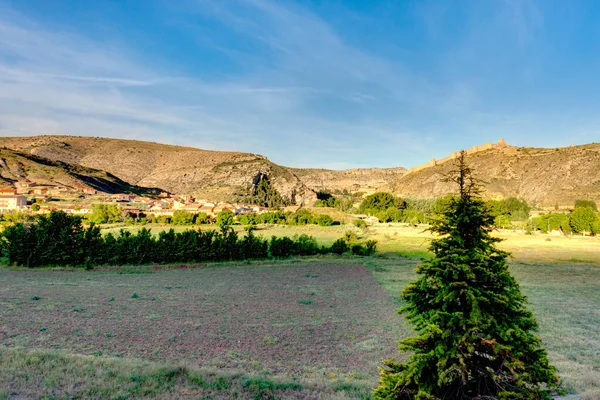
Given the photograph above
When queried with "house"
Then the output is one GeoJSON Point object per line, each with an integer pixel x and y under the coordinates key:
{"type": "Point", "coordinates": [122, 198]}
{"type": "Point", "coordinates": [372, 220]}
{"type": "Point", "coordinates": [12, 203]}
{"type": "Point", "coordinates": [223, 206]}
{"type": "Point", "coordinates": [89, 190]}
{"type": "Point", "coordinates": [8, 191]}
{"type": "Point", "coordinates": [243, 210]}
{"type": "Point", "coordinates": [207, 209]}
{"type": "Point", "coordinates": [193, 208]}
{"type": "Point", "coordinates": [292, 209]}
{"type": "Point", "coordinates": [178, 205]}
{"type": "Point", "coordinates": [130, 211]}
{"type": "Point", "coordinates": [83, 209]}
{"type": "Point", "coordinates": [39, 190]}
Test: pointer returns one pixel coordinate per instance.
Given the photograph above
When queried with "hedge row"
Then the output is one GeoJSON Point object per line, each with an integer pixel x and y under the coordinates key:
{"type": "Point", "coordinates": [61, 239]}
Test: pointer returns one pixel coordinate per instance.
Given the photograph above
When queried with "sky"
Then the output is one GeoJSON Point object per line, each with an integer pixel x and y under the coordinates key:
{"type": "Point", "coordinates": [313, 83]}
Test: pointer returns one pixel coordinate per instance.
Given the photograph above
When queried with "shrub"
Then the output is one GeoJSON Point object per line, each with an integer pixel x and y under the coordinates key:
{"type": "Point", "coordinates": [360, 223]}
{"type": "Point", "coordinates": [364, 249]}
{"type": "Point", "coordinates": [339, 247]}
{"type": "Point", "coordinates": [306, 245]}
{"type": "Point", "coordinates": [324, 220]}
{"type": "Point", "coordinates": [281, 247]}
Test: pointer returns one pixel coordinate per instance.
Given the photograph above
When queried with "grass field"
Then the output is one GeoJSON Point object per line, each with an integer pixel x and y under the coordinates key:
{"type": "Point", "coordinates": [410, 241]}
{"type": "Point", "coordinates": [301, 328]}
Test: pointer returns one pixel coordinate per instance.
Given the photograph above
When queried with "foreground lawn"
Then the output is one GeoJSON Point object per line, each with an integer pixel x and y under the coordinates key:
{"type": "Point", "coordinates": [314, 324]}
{"type": "Point", "coordinates": [312, 328]}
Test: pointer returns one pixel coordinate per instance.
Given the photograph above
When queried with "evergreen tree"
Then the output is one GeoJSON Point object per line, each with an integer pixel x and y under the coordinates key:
{"type": "Point", "coordinates": [474, 334]}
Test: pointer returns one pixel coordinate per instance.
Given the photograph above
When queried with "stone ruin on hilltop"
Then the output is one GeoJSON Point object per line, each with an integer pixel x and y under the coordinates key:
{"type": "Point", "coordinates": [475, 149]}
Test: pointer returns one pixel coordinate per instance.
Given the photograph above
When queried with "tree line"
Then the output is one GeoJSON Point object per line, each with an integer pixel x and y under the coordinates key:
{"type": "Point", "coordinates": [111, 213]}
{"type": "Point", "coordinates": [60, 239]}
{"type": "Point", "coordinates": [584, 219]}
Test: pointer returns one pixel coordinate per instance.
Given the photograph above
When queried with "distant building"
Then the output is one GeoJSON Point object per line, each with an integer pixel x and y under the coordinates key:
{"type": "Point", "coordinates": [207, 209]}
{"type": "Point", "coordinates": [372, 220]}
{"type": "Point", "coordinates": [12, 203]}
{"type": "Point", "coordinates": [222, 207]}
{"type": "Point", "coordinates": [178, 205]}
{"type": "Point", "coordinates": [8, 191]}
{"type": "Point", "coordinates": [39, 190]}
{"type": "Point", "coordinates": [121, 197]}
{"type": "Point", "coordinates": [292, 209]}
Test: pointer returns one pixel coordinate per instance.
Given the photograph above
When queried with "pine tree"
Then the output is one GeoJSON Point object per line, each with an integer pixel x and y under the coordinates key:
{"type": "Point", "coordinates": [475, 336]}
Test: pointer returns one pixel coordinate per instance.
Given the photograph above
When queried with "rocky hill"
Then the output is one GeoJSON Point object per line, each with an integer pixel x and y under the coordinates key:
{"type": "Point", "coordinates": [20, 168]}
{"type": "Point", "coordinates": [177, 169]}
{"type": "Point", "coordinates": [367, 180]}
{"type": "Point", "coordinates": [542, 176]}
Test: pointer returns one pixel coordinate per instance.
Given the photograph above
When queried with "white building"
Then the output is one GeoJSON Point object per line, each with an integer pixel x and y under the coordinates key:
{"type": "Point", "coordinates": [12, 203]}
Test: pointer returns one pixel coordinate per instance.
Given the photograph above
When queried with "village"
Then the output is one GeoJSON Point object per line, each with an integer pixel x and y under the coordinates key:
{"type": "Point", "coordinates": [30, 197]}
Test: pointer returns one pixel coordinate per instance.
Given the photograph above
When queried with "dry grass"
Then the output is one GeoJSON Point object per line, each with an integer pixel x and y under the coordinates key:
{"type": "Point", "coordinates": [409, 241]}
{"type": "Point", "coordinates": [313, 323]}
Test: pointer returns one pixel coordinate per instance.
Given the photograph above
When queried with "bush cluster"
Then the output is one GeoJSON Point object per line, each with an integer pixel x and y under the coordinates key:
{"type": "Point", "coordinates": [61, 239]}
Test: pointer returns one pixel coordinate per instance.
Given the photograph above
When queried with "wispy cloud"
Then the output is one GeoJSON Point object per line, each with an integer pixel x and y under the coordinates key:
{"type": "Point", "coordinates": [301, 94]}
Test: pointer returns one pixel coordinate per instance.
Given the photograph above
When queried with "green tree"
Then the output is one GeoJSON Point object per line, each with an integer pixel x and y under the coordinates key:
{"type": "Point", "coordinates": [379, 201]}
{"type": "Point", "coordinates": [553, 222]}
{"type": "Point", "coordinates": [586, 203]}
{"type": "Point", "coordinates": [202, 218]}
{"type": "Point", "coordinates": [324, 220]}
{"type": "Point", "coordinates": [181, 217]}
{"type": "Point", "coordinates": [105, 213]}
{"type": "Point", "coordinates": [225, 219]}
{"type": "Point", "coordinates": [584, 220]}
{"type": "Point", "coordinates": [474, 334]}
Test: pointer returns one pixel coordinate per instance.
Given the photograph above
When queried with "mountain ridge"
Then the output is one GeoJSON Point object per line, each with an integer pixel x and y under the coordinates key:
{"type": "Point", "coordinates": [545, 176]}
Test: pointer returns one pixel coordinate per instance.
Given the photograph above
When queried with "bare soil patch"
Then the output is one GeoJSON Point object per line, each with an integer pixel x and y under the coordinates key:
{"type": "Point", "coordinates": [309, 321]}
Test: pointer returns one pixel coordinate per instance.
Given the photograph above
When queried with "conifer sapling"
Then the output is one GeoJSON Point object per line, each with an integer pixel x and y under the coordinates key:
{"type": "Point", "coordinates": [474, 335]}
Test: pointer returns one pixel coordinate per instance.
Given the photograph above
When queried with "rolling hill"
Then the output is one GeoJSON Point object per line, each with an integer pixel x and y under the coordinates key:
{"type": "Point", "coordinates": [17, 167]}
{"type": "Point", "coordinates": [543, 176]}
{"type": "Point", "coordinates": [177, 169]}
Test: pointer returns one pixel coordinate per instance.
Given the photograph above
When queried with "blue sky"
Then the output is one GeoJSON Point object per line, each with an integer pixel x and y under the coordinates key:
{"type": "Point", "coordinates": [330, 83]}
